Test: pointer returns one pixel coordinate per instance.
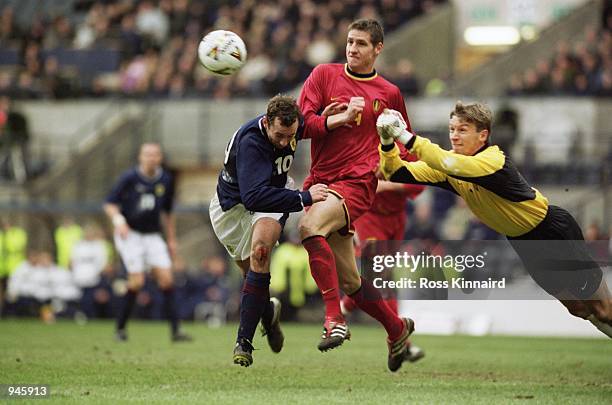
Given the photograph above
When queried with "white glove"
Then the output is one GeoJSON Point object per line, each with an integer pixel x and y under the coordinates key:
{"type": "Point", "coordinates": [391, 126]}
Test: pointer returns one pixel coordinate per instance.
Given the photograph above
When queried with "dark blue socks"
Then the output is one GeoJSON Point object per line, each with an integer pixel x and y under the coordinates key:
{"type": "Point", "coordinates": [255, 299]}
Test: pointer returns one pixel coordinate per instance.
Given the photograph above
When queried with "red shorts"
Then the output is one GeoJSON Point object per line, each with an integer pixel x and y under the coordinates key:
{"type": "Point", "coordinates": [357, 197]}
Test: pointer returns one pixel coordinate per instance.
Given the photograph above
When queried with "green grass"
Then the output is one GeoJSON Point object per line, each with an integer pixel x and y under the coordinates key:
{"type": "Point", "coordinates": [83, 363]}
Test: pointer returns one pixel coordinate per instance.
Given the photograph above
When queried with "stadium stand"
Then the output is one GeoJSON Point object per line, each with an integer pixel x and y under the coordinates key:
{"type": "Point", "coordinates": [584, 69]}
{"type": "Point", "coordinates": [148, 48]}
{"type": "Point", "coordinates": [580, 68]}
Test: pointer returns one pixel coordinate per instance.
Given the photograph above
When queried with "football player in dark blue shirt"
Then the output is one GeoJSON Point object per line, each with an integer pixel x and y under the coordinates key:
{"type": "Point", "coordinates": [139, 204]}
{"type": "Point", "coordinates": [254, 198]}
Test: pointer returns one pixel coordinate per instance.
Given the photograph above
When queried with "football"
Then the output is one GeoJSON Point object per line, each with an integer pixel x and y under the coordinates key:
{"type": "Point", "coordinates": [222, 52]}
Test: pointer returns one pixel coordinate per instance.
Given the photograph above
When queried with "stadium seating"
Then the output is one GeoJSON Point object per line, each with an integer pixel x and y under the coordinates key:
{"type": "Point", "coordinates": [148, 48]}
{"type": "Point", "coordinates": [582, 70]}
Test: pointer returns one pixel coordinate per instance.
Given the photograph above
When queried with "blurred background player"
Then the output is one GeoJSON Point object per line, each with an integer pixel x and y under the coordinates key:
{"type": "Point", "coordinates": [13, 245]}
{"type": "Point", "coordinates": [138, 205]}
{"type": "Point", "coordinates": [249, 210]}
{"type": "Point", "coordinates": [499, 196]}
{"type": "Point", "coordinates": [344, 157]}
{"type": "Point", "coordinates": [385, 221]}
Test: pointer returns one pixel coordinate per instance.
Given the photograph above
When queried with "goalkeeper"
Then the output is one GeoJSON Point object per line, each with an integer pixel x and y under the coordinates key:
{"type": "Point", "coordinates": [499, 196]}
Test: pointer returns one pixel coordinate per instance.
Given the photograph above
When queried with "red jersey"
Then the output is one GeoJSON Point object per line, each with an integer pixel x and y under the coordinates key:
{"type": "Point", "coordinates": [345, 153]}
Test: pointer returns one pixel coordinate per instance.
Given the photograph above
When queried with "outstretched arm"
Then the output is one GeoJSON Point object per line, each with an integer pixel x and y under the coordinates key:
{"type": "Point", "coordinates": [391, 127]}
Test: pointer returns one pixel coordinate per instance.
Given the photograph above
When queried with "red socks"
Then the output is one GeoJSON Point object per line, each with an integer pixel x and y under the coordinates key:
{"type": "Point", "coordinates": [323, 270]}
{"type": "Point", "coordinates": [368, 298]}
{"type": "Point", "coordinates": [370, 301]}
{"type": "Point", "coordinates": [349, 305]}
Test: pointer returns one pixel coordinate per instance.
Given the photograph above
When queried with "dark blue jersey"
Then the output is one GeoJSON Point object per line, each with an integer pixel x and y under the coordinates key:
{"type": "Point", "coordinates": [142, 199]}
{"type": "Point", "coordinates": [255, 172]}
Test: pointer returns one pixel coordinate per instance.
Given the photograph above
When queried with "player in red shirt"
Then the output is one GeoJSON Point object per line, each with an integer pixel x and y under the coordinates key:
{"type": "Point", "coordinates": [344, 156]}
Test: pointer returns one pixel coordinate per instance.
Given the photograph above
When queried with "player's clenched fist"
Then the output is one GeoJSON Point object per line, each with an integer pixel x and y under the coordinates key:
{"type": "Point", "coordinates": [391, 126]}
{"type": "Point", "coordinates": [318, 192]}
{"type": "Point", "coordinates": [355, 107]}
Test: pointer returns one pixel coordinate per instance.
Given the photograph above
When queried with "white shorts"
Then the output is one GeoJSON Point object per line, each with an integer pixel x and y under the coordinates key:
{"type": "Point", "coordinates": [142, 251]}
{"type": "Point", "coordinates": [234, 227]}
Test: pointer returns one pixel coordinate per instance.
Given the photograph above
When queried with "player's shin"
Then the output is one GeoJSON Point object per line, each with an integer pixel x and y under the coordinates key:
{"type": "Point", "coordinates": [323, 270]}
{"type": "Point", "coordinates": [369, 300]}
{"type": "Point", "coordinates": [255, 297]}
{"type": "Point", "coordinates": [170, 309]}
{"type": "Point", "coordinates": [126, 308]}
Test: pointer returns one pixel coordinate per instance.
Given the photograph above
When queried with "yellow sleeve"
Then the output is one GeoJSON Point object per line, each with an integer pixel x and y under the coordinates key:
{"type": "Point", "coordinates": [400, 171]}
{"type": "Point", "coordinates": [484, 163]}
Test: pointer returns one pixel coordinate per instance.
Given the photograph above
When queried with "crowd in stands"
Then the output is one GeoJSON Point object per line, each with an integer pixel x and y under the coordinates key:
{"type": "Point", "coordinates": [580, 69]}
{"type": "Point", "coordinates": [147, 48]}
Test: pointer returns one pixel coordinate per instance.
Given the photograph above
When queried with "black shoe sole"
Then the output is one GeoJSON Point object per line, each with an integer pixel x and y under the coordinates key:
{"type": "Point", "coordinates": [332, 343]}
{"type": "Point", "coordinates": [242, 360]}
{"type": "Point", "coordinates": [401, 358]}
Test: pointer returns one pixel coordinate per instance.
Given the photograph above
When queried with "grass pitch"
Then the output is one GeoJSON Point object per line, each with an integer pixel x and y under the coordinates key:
{"type": "Point", "coordinates": [84, 364]}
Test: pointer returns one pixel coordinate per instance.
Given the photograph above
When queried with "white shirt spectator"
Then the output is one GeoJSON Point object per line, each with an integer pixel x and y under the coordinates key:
{"type": "Point", "coordinates": [152, 21]}
{"type": "Point", "coordinates": [256, 68]}
{"type": "Point", "coordinates": [62, 285]}
{"type": "Point", "coordinates": [89, 257]}
{"type": "Point", "coordinates": [19, 284]}
{"type": "Point", "coordinates": [321, 50]}
{"type": "Point", "coordinates": [39, 283]}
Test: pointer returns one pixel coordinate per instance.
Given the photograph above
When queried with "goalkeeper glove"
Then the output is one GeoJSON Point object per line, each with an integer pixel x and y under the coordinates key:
{"type": "Point", "coordinates": [391, 126]}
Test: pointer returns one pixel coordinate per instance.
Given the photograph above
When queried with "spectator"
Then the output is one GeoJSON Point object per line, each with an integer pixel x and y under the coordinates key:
{"type": "Point", "coordinates": [506, 127]}
{"type": "Point", "coordinates": [64, 292]}
{"type": "Point", "coordinates": [152, 23]}
{"type": "Point", "coordinates": [405, 78]}
{"type": "Point", "coordinates": [212, 291]}
{"type": "Point", "coordinates": [36, 283]}
{"type": "Point", "coordinates": [66, 236]}
{"type": "Point", "coordinates": [13, 244]}
{"type": "Point", "coordinates": [291, 280]}
{"type": "Point", "coordinates": [89, 258]}
{"type": "Point", "coordinates": [60, 35]}
{"type": "Point", "coordinates": [9, 32]}
{"type": "Point", "coordinates": [20, 287]}
{"type": "Point", "coordinates": [17, 140]}
{"type": "Point", "coordinates": [130, 39]}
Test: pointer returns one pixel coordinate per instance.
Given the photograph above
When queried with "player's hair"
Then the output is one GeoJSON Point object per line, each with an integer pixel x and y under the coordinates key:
{"type": "Point", "coordinates": [476, 113]}
{"type": "Point", "coordinates": [150, 143]}
{"type": "Point", "coordinates": [284, 108]}
{"type": "Point", "coordinates": [370, 26]}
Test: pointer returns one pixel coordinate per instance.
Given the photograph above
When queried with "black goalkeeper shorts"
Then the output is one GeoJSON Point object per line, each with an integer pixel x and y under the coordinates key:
{"type": "Point", "coordinates": [556, 256]}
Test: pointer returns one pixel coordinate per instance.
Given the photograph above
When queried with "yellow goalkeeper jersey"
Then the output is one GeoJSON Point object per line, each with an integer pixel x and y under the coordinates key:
{"type": "Point", "coordinates": [488, 181]}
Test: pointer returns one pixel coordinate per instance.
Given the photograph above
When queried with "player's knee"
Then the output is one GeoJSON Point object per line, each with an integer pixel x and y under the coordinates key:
{"type": "Point", "coordinates": [308, 227]}
{"type": "Point", "coordinates": [165, 280]}
{"type": "Point", "coordinates": [260, 255]}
